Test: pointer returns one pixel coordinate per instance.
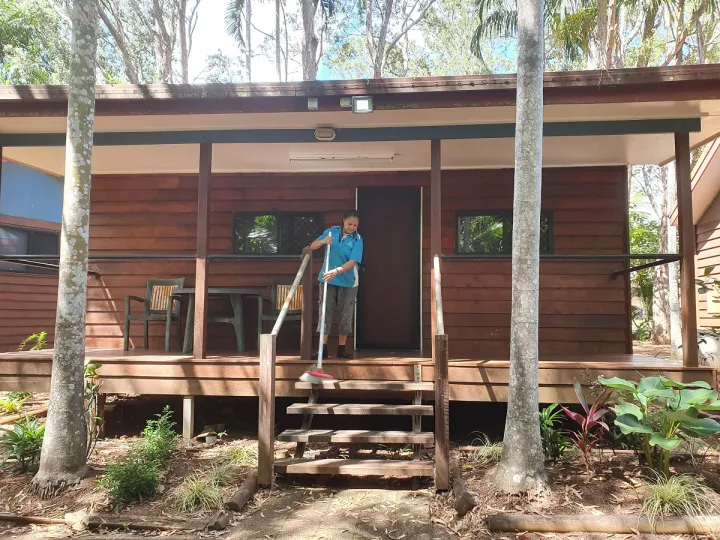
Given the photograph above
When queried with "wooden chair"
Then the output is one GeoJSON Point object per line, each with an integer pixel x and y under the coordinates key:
{"type": "Point", "coordinates": [278, 294]}
{"type": "Point", "coordinates": [159, 307]}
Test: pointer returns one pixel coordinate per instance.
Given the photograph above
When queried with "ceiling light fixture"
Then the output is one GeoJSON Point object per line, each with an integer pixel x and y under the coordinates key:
{"type": "Point", "coordinates": [334, 158]}
{"type": "Point", "coordinates": [325, 134]}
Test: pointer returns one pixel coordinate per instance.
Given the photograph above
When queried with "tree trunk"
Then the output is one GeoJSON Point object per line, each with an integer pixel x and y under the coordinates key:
{"type": "Point", "coordinates": [182, 21]}
{"type": "Point", "coordinates": [248, 40]}
{"type": "Point", "coordinates": [673, 270]}
{"type": "Point", "coordinates": [379, 59]}
{"type": "Point", "coordinates": [62, 463]}
{"type": "Point", "coordinates": [310, 41]}
{"type": "Point", "coordinates": [601, 34]}
{"type": "Point", "coordinates": [648, 29]}
{"type": "Point", "coordinates": [521, 468]}
{"type": "Point", "coordinates": [660, 331]}
{"type": "Point", "coordinates": [611, 35]}
{"type": "Point", "coordinates": [278, 57]}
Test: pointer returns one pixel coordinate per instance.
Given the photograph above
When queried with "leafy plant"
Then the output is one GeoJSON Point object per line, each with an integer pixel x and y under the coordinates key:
{"type": "Point", "coordinates": [11, 406]}
{"type": "Point", "coordinates": [38, 340]}
{"type": "Point", "coordinates": [663, 413]}
{"type": "Point", "coordinates": [554, 440]}
{"type": "Point", "coordinates": [244, 456]}
{"type": "Point", "coordinates": [197, 493]}
{"type": "Point", "coordinates": [680, 495]}
{"type": "Point", "coordinates": [93, 420]}
{"type": "Point", "coordinates": [159, 439]}
{"type": "Point", "coordinates": [132, 478]}
{"type": "Point", "coordinates": [487, 452]}
{"type": "Point", "coordinates": [18, 396]}
{"type": "Point", "coordinates": [591, 423]}
{"type": "Point", "coordinates": [24, 443]}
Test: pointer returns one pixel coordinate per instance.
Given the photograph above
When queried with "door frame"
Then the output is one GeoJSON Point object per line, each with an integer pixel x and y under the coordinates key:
{"type": "Point", "coordinates": [418, 301]}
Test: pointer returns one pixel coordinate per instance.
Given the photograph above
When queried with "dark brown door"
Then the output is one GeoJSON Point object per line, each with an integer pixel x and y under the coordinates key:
{"type": "Point", "coordinates": [389, 295]}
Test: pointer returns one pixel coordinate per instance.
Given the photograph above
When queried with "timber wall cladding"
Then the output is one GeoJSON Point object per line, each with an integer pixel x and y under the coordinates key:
{"type": "Point", "coordinates": [582, 310]}
{"type": "Point", "coordinates": [27, 305]}
{"type": "Point", "coordinates": [708, 255]}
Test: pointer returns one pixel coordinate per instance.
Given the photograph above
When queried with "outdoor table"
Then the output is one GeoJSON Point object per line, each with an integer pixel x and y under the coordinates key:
{"type": "Point", "coordinates": [236, 300]}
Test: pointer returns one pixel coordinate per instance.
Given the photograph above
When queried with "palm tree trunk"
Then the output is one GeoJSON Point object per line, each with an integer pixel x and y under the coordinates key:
{"type": "Point", "coordinates": [248, 40]}
{"type": "Point", "coordinates": [521, 468]}
{"type": "Point", "coordinates": [62, 463]}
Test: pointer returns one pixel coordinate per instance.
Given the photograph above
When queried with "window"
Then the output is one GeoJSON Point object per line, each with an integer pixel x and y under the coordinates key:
{"type": "Point", "coordinates": [21, 241]}
{"type": "Point", "coordinates": [275, 234]}
{"type": "Point", "coordinates": [490, 233]}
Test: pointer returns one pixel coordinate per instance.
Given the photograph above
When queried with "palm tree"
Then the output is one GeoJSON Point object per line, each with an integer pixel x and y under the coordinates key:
{"type": "Point", "coordinates": [238, 21]}
{"type": "Point", "coordinates": [63, 458]}
{"type": "Point", "coordinates": [521, 468]}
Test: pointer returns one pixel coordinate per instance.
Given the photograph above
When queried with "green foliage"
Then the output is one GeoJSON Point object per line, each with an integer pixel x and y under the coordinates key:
{"type": "Point", "coordinates": [197, 493]}
{"type": "Point", "coordinates": [244, 456]}
{"type": "Point", "coordinates": [591, 423]}
{"type": "Point", "coordinates": [159, 439]}
{"type": "Point", "coordinates": [486, 453]}
{"type": "Point", "coordinates": [662, 414]}
{"type": "Point", "coordinates": [24, 443]}
{"type": "Point", "coordinates": [11, 406]}
{"type": "Point", "coordinates": [93, 421]}
{"type": "Point", "coordinates": [679, 495]}
{"type": "Point", "coordinates": [132, 478]}
{"type": "Point", "coordinates": [554, 440]}
{"type": "Point", "coordinates": [644, 238]}
{"type": "Point", "coordinates": [38, 340]}
{"type": "Point", "coordinates": [220, 475]}
{"type": "Point", "coordinates": [18, 396]}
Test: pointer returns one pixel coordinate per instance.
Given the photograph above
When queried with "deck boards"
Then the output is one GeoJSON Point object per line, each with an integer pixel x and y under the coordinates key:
{"type": "Point", "coordinates": [236, 375]}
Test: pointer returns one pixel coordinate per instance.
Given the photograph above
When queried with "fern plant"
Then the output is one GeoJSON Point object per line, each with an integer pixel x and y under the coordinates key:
{"type": "Point", "coordinates": [38, 340]}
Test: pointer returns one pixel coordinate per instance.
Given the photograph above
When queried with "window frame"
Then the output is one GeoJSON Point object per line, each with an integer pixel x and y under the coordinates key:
{"type": "Point", "coordinates": [504, 214]}
{"type": "Point", "coordinates": [280, 236]}
{"type": "Point", "coordinates": [31, 233]}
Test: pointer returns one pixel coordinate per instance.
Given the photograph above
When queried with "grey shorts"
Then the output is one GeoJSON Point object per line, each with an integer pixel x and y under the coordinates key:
{"type": "Point", "coordinates": [340, 300]}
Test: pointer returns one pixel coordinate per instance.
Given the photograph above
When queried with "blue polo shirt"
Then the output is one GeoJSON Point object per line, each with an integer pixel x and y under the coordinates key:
{"type": "Point", "coordinates": [343, 250]}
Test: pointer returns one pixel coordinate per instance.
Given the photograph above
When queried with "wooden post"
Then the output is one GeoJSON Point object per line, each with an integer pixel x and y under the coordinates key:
{"type": "Point", "coordinates": [687, 249]}
{"type": "Point", "coordinates": [442, 414]}
{"type": "Point", "coordinates": [188, 425]}
{"type": "Point", "coordinates": [201, 265]}
{"type": "Point", "coordinates": [435, 227]}
{"type": "Point", "coordinates": [306, 330]}
{"type": "Point", "coordinates": [266, 421]}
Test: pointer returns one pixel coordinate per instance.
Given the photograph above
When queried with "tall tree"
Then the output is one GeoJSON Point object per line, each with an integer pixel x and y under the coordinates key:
{"type": "Point", "coordinates": [62, 462]}
{"type": "Point", "coordinates": [238, 20]}
{"type": "Point", "coordinates": [521, 467]}
{"type": "Point", "coordinates": [313, 46]}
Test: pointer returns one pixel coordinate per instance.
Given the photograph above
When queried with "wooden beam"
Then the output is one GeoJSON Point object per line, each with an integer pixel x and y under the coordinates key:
{"type": "Point", "coordinates": [435, 225]}
{"type": "Point", "coordinates": [368, 134]}
{"type": "Point", "coordinates": [442, 415]}
{"type": "Point", "coordinates": [626, 249]}
{"type": "Point", "coordinates": [201, 263]}
{"type": "Point", "coordinates": [266, 419]}
{"type": "Point", "coordinates": [306, 328]}
{"type": "Point", "coordinates": [687, 249]}
{"type": "Point", "coordinates": [188, 419]}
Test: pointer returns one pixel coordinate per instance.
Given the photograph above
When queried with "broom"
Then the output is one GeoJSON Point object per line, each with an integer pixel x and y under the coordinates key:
{"type": "Point", "coordinates": [318, 376]}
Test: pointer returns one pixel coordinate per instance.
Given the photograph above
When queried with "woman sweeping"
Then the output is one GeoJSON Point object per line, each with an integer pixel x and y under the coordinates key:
{"type": "Point", "coordinates": [346, 249]}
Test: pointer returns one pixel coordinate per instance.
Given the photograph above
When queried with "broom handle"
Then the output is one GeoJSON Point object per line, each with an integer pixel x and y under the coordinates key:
{"type": "Point", "coordinates": [326, 267]}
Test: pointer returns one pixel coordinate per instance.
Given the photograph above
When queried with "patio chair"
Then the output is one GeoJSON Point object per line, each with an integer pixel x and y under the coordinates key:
{"type": "Point", "coordinates": [158, 307]}
{"type": "Point", "coordinates": [279, 292]}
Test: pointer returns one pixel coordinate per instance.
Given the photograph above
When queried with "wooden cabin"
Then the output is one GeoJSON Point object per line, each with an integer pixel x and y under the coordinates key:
{"type": "Point", "coordinates": [223, 185]}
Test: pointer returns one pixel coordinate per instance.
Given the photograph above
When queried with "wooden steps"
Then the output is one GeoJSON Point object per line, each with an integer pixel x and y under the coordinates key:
{"type": "Point", "coordinates": [398, 386]}
{"type": "Point", "coordinates": [360, 409]}
{"type": "Point", "coordinates": [356, 467]}
{"type": "Point", "coordinates": [356, 436]}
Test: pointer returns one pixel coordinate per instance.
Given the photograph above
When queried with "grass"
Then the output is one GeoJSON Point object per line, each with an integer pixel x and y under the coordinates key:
{"type": "Point", "coordinates": [680, 495]}
{"type": "Point", "coordinates": [486, 453]}
{"type": "Point", "coordinates": [197, 493]}
{"type": "Point", "coordinates": [243, 456]}
{"type": "Point", "coordinates": [220, 475]}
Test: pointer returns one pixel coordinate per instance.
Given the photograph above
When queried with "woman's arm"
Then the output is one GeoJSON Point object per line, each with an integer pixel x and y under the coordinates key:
{"type": "Point", "coordinates": [330, 274]}
{"type": "Point", "coordinates": [317, 244]}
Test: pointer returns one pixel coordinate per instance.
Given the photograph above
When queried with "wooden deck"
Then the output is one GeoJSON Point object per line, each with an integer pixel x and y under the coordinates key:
{"type": "Point", "coordinates": [151, 372]}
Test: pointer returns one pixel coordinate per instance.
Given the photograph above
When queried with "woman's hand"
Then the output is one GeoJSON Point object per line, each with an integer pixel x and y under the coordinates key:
{"type": "Point", "coordinates": [331, 274]}
{"type": "Point", "coordinates": [327, 240]}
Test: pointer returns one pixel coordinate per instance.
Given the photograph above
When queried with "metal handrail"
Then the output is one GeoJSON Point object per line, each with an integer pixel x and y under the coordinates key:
{"type": "Point", "coordinates": [291, 294]}
{"type": "Point", "coordinates": [34, 263]}
{"type": "Point", "coordinates": [440, 322]}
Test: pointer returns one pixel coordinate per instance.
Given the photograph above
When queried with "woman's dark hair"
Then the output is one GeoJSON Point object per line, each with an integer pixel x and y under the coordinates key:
{"type": "Point", "coordinates": [349, 214]}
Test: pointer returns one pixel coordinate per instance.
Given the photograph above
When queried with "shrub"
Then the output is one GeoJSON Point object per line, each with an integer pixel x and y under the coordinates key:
{"type": "Point", "coordinates": [39, 340]}
{"type": "Point", "coordinates": [591, 424]}
{"type": "Point", "coordinates": [244, 456]}
{"type": "Point", "coordinates": [131, 478]}
{"type": "Point", "coordinates": [10, 405]}
{"type": "Point", "coordinates": [19, 396]}
{"type": "Point", "coordinates": [220, 475]}
{"type": "Point", "coordinates": [554, 440]}
{"type": "Point", "coordinates": [680, 495]}
{"type": "Point", "coordinates": [662, 414]}
{"type": "Point", "coordinates": [159, 439]}
{"type": "Point", "coordinates": [197, 493]}
{"type": "Point", "coordinates": [24, 443]}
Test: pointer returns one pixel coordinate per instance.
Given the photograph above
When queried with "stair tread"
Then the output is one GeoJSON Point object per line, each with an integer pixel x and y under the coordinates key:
{"type": "Point", "coordinates": [356, 467]}
{"type": "Point", "coordinates": [367, 385]}
{"type": "Point", "coordinates": [356, 436]}
{"type": "Point", "coordinates": [359, 409]}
